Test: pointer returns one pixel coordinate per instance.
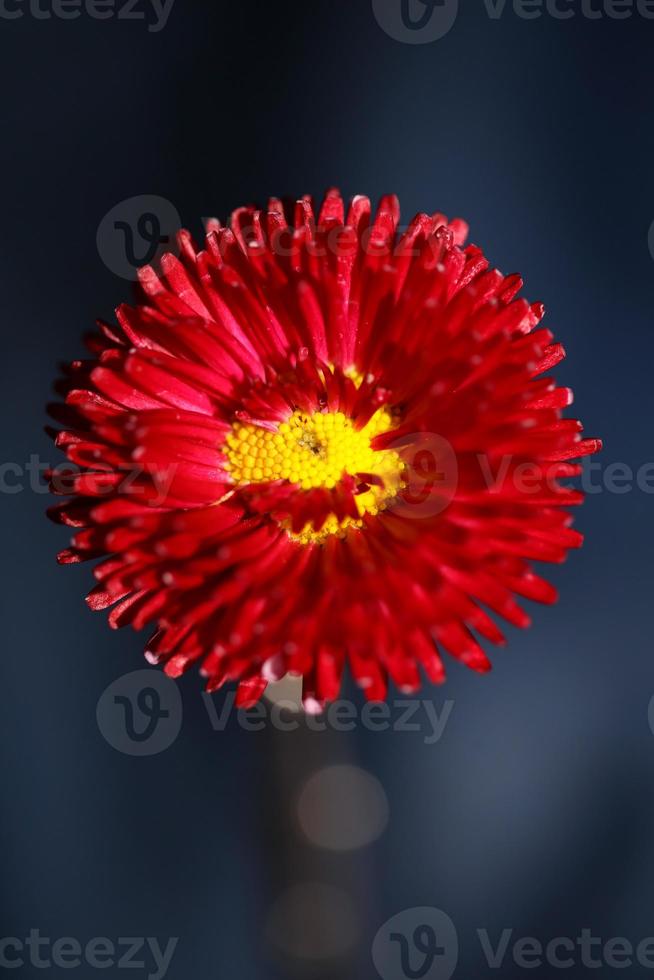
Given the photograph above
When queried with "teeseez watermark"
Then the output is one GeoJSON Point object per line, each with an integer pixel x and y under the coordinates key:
{"type": "Point", "coordinates": [98, 953]}
{"type": "Point", "coordinates": [154, 13]}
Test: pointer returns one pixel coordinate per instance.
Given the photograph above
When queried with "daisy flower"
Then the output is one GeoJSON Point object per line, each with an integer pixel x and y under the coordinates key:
{"type": "Point", "coordinates": [320, 440]}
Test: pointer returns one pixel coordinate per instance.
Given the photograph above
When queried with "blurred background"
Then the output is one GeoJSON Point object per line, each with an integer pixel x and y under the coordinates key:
{"type": "Point", "coordinates": [269, 853]}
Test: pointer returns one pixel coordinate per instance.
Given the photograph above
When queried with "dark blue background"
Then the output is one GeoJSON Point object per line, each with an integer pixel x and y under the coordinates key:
{"type": "Point", "coordinates": [535, 810]}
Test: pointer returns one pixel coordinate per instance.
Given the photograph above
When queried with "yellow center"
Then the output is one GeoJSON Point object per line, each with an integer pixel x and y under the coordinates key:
{"type": "Point", "coordinates": [317, 451]}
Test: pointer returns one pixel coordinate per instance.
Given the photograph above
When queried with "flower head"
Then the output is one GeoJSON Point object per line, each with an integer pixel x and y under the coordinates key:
{"type": "Point", "coordinates": [321, 441]}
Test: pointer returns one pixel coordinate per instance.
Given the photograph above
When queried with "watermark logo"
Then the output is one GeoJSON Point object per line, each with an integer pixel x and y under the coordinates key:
{"type": "Point", "coordinates": [136, 232]}
{"type": "Point", "coordinates": [422, 943]}
{"type": "Point", "coordinates": [140, 713]}
{"type": "Point", "coordinates": [99, 953]}
{"type": "Point", "coordinates": [564, 952]}
{"type": "Point", "coordinates": [570, 9]}
{"type": "Point", "coordinates": [417, 944]}
{"type": "Point", "coordinates": [426, 21]}
{"type": "Point", "coordinates": [416, 21]}
{"type": "Point", "coordinates": [430, 475]}
{"type": "Point", "coordinates": [430, 478]}
{"type": "Point", "coordinates": [650, 715]}
{"type": "Point", "coordinates": [154, 13]}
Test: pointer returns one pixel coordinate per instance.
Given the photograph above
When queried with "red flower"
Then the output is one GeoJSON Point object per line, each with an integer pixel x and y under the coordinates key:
{"type": "Point", "coordinates": [321, 441]}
